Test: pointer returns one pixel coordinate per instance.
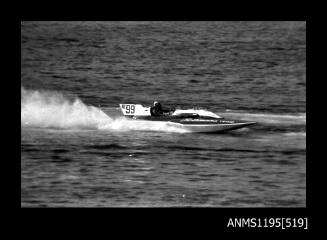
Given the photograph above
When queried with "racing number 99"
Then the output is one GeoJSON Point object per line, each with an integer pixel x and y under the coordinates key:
{"type": "Point", "coordinates": [130, 109]}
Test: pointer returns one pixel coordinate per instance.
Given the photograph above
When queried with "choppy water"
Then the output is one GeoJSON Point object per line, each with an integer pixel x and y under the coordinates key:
{"type": "Point", "coordinates": [76, 150]}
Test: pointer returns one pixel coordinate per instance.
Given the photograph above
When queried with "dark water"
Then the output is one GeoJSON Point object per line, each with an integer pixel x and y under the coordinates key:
{"type": "Point", "coordinates": [75, 153]}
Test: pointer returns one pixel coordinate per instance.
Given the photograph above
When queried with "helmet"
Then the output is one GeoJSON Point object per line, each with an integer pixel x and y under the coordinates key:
{"type": "Point", "coordinates": [155, 103]}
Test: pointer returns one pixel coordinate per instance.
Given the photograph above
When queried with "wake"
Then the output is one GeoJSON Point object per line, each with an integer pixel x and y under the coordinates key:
{"type": "Point", "coordinates": [269, 119]}
{"type": "Point", "coordinates": [49, 109]}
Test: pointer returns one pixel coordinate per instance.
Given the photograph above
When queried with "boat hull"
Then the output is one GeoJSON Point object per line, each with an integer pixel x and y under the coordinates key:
{"type": "Point", "coordinates": [214, 128]}
{"type": "Point", "coordinates": [199, 123]}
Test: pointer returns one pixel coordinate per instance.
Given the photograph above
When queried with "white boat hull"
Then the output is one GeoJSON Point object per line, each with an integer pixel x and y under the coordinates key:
{"type": "Point", "coordinates": [210, 127]}
{"type": "Point", "coordinates": [190, 120]}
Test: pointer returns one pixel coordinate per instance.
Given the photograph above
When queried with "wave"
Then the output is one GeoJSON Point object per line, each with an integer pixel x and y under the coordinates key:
{"type": "Point", "coordinates": [50, 109]}
{"type": "Point", "coordinates": [290, 151]}
{"type": "Point", "coordinates": [265, 118]}
{"type": "Point", "coordinates": [295, 134]}
{"type": "Point", "coordinates": [107, 146]}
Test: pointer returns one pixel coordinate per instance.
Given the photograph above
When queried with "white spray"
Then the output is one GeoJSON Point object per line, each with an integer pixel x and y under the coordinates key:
{"type": "Point", "coordinates": [48, 109]}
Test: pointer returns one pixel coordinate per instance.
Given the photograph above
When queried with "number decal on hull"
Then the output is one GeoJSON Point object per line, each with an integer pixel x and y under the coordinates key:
{"type": "Point", "coordinates": [130, 109]}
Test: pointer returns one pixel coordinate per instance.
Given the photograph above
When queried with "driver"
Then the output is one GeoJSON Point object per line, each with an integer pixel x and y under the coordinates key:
{"type": "Point", "coordinates": [158, 110]}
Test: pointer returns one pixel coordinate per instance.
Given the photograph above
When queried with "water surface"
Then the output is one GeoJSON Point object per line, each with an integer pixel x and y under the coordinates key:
{"type": "Point", "coordinates": [77, 151]}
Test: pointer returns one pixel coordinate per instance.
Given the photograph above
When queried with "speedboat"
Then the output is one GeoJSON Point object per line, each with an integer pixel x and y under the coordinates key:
{"type": "Point", "coordinates": [191, 120]}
